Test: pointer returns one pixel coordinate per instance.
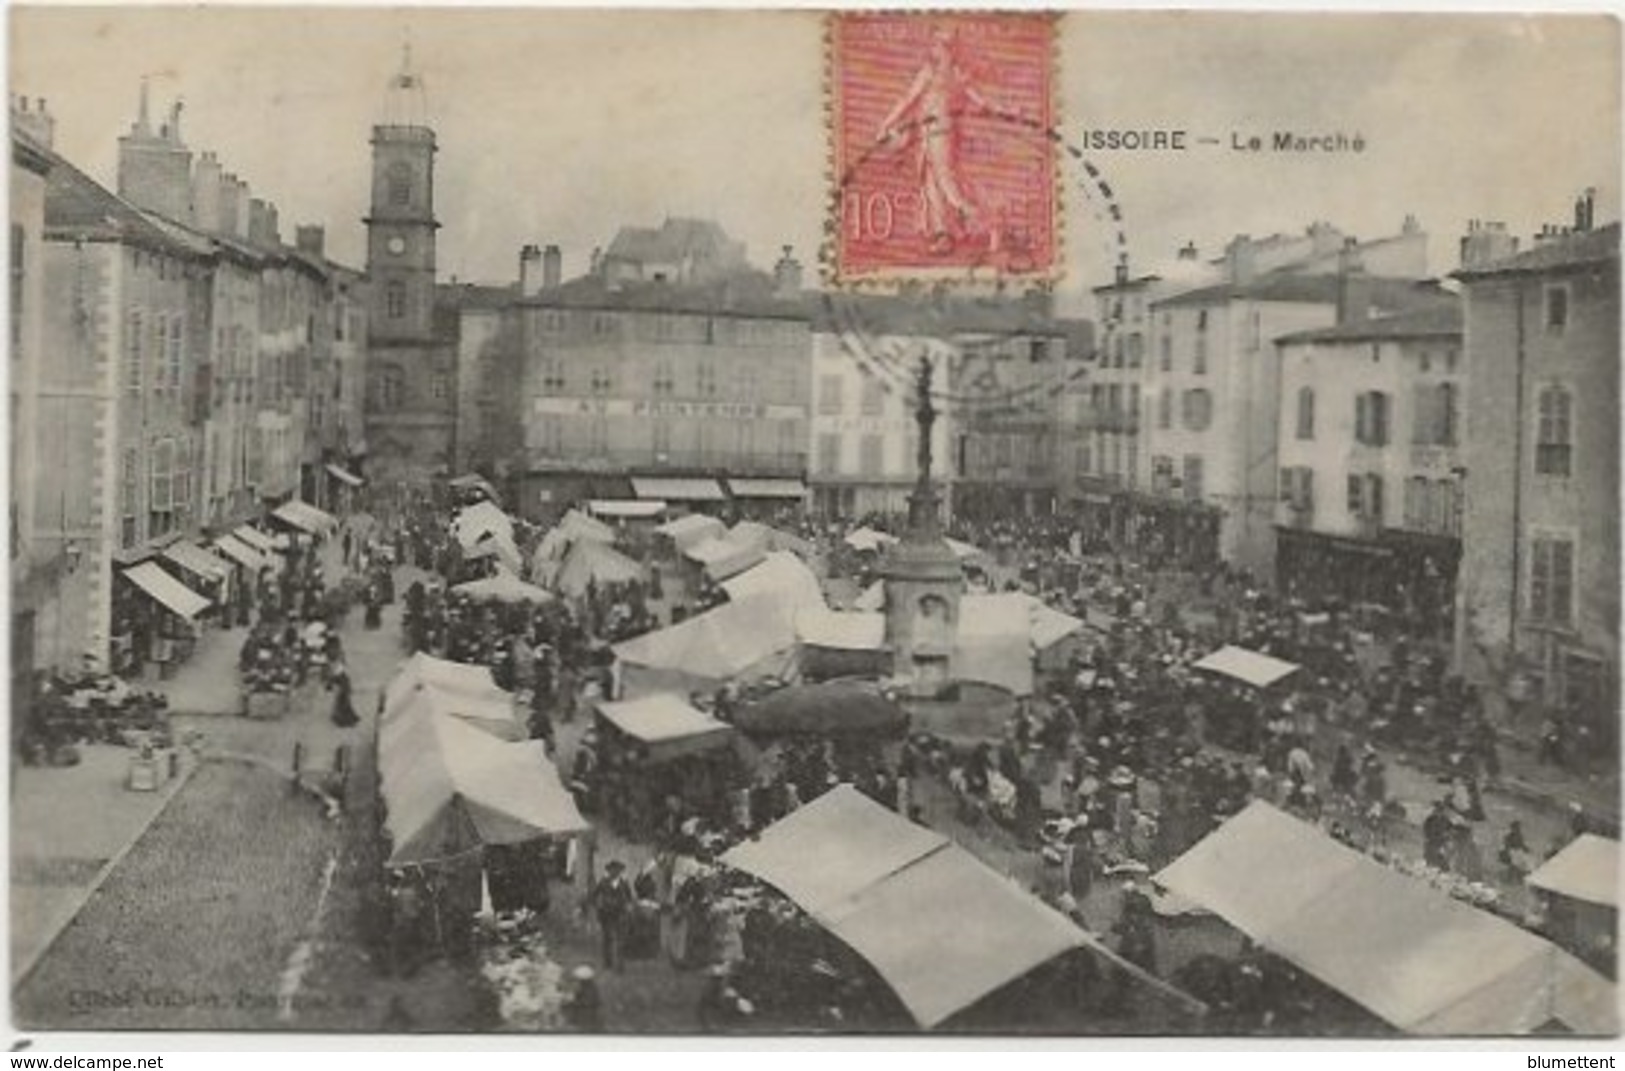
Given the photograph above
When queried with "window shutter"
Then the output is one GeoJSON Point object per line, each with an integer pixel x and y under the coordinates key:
{"type": "Point", "coordinates": [1362, 416]}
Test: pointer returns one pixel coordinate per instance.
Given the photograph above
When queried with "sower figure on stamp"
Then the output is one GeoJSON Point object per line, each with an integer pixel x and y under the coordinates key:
{"type": "Point", "coordinates": [931, 110]}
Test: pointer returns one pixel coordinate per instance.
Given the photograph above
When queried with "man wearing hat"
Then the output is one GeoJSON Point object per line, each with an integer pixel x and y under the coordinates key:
{"type": "Point", "coordinates": [611, 901]}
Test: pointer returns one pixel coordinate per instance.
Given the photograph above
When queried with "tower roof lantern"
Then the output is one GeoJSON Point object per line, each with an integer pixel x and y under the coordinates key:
{"type": "Point", "coordinates": [406, 102]}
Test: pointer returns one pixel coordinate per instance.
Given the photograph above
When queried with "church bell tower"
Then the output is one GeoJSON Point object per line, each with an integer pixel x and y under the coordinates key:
{"type": "Point", "coordinates": [401, 225]}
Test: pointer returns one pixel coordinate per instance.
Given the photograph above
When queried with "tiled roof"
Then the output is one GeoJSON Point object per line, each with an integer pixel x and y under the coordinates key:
{"type": "Point", "coordinates": [748, 293]}
{"type": "Point", "coordinates": [76, 206]}
{"type": "Point", "coordinates": [1571, 251]}
{"type": "Point", "coordinates": [670, 242]}
{"type": "Point", "coordinates": [930, 315]}
{"type": "Point", "coordinates": [1443, 321]}
{"type": "Point", "coordinates": [1387, 293]}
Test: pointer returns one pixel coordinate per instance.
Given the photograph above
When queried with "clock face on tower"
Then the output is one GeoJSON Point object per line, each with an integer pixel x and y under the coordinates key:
{"type": "Point", "coordinates": [396, 245]}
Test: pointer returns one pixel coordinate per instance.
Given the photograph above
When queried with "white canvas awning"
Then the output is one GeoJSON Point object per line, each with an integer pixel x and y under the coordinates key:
{"type": "Point", "coordinates": [503, 587]}
{"type": "Point", "coordinates": [305, 517]}
{"type": "Point", "coordinates": [450, 789]}
{"type": "Point", "coordinates": [170, 593]}
{"type": "Point", "coordinates": [743, 487]}
{"type": "Point", "coordinates": [868, 539]}
{"type": "Point", "coordinates": [737, 640]}
{"type": "Point", "coordinates": [841, 630]}
{"type": "Point", "coordinates": [426, 670]}
{"type": "Point", "coordinates": [782, 576]}
{"type": "Point", "coordinates": [1413, 956]}
{"type": "Point", "coordinates": [1587, 869]}
{"type": "Point", "coordinates": [677, 488]}
{"type": "Point", "coordinates": [692, 528]}
{"type": "Point", "coordinates": [255, 538]}
{"type": "Point", "coordinates": [601, 507]}
{"type": "Point", "coordinates": [938, 926]}
{"type": "Point", "coordinates": [722, 558]}
{"type": "Point", "coordinates": [667, 724]}
{"type": "Point", "coordinates": [200, 561]}
{"type": "Point", "coordinates": [248, 557]}
{"type": "Point", "coordinates": [1249, 667]}
{"type": "Point", "coordinates": [344, 476]}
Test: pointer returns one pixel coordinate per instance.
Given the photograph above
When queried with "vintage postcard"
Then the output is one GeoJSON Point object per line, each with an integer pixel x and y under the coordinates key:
{"type": "Point", "coordinates": [1039, 523]}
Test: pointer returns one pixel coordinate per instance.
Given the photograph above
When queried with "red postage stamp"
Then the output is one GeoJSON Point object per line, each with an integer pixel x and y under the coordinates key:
{"type": "Point", "coordinates": [943, 157]}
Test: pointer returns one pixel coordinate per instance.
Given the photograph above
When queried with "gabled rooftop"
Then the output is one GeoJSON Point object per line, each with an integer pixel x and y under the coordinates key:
{"type": "Point", "coordinates": [1575, 250]}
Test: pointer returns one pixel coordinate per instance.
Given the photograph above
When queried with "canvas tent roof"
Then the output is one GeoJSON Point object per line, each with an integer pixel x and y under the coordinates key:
{"type": "Point", "coordinates": [691, 528]}
{"type": "Point", "coordinates": [449, 789]}
{"type": "Point", "coordinates": [491, 712]}
{"type": "Point", "coordinates": [1415, 957]}
{"type": "Point", "coordinates": [479, 520]}
{"type": "Point", "coordinates": [595, 562]}
{"type": "Point", "coordinates": [721, 644]}
{"type": "Point", "coordinates": [503, 586]}
{"type": "Point", "coordinates": [994, 644]}
{"type": "Point", "coordinates": [782, 576]}
{"type": "Point", "coordinates": [722, 557]}
{"type": "Point", "coordinates": [868, 539]}
{"type": "Point", "coordinates": [1587, 869]}
{"type": "Point", "coordinates": [891, 890]}
{"type": "Point", "coordinates": [426, 670]}
{"type": "Point", "coordinates": [668, 724]}
{"type": "Point", "coordinates": [872, 597]}
{"type": "Point", "coordinates": [1249, 667]}
{"type": "Point", "coordinates": [304, 516]}
{"type": "Point", "coordinates": [495, 545]}
{"type": "Point", "coordinates": [842, 630]}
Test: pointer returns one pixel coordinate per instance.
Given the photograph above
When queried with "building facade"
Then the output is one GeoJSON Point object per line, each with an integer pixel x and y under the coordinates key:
{"type": "Point", "coordinates": [1539, 589]}
{"type": "Point", "coordinates": [1370, 426]}
{"type": "Point", "coordinates": [1213, 397]}
{"type": "Point", "coordinates": [187, 343]}
{"type": "Point", "coordinates": [38, 561]}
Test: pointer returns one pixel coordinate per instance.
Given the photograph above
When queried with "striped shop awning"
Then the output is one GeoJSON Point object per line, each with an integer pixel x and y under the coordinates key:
{"type": "Point", "coordinates": [198, 560]}
{"type": "Point", "coordinates": [170, 593]}
{"type": "Point", "coordinates": [677, 488]}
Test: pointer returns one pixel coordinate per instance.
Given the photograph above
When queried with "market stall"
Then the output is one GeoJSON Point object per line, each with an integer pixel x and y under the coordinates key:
{"type": "Point", "coordinates": [594, 564]}
{"type": "Point", "coordinates": [491, 712]}
{"type": "Point", "coordinates": [721, 557]}
{"type": "Point", "coordinates": [683, 532]}
{"type": "Point", "coordinates": [737, 641]}
{"type": "Point", "coordinates": [1581, 889]}
{"type": "Point", "coordinates": [842, 643]}
{"type": "Point", "coordinates": [782, 576]}
{"type": "Point", "coordinates": [1418, 959]}
{"type": "Point", "coordinates": [660, 747]}
{"type": "Point", "coordinates": [161, 617]}
{"type": "Point", "coordinates": [503, 586]}
{"type": "Point", "coordinates": [899, 894]}
{"type": "Point", "coordinates": [426, 670]}
{"type": "Point", "coordinates": [303, 517]}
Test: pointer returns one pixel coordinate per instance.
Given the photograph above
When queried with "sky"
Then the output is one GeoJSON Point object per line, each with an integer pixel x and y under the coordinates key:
{"type": "Point", "coordinates": [560, 126]}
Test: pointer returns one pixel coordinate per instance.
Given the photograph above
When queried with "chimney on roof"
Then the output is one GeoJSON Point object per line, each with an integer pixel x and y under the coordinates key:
{"type": "Point", "coordinates": [37, 123]}
{"type": "Point", "coordinates": [1486, 241]}
{"type": "Point", "coordinates": [1323, 238]}
{"type": "Point", "coordinates": [787, 274]}
{"type": "Point", "coordinates": [1411, 225]}
{"type": "Point", "coordinates": [1584, 210]}
{"type": "Point", "coordinates": [1353, 285]}
{"type": "Point", "coordinates": [596, 266]}
{"type": "Point", "coordinates": [1241, 259]}
{"type": "Point", "coordinates": [552, 267]}
{"type": "Point", "coordinates": [206, 193]}
{"type": "Point", "coordinates": [311, 239]}
{"type": "Point", "coordinates": [1120, 273]}
{"type": "Point", "coordinates": [530, 270]}
{"type": "Point", "coordinates": [1189, 252]}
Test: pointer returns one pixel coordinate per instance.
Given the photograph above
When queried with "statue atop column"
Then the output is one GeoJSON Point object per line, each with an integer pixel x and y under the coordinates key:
{"type": "Point", "coordinates": [922, 512]}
